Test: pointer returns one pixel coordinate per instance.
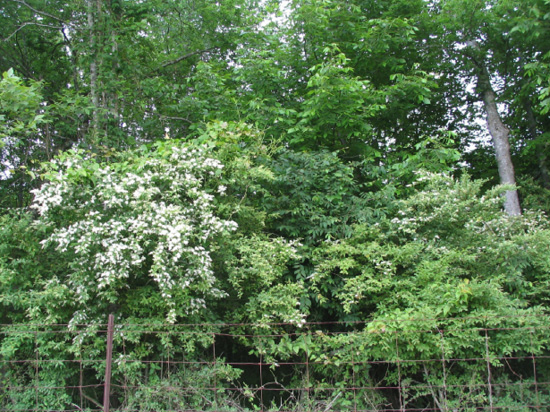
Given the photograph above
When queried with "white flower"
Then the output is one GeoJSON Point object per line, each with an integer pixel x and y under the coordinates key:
{"type": "Point", "coordinates": [128, 218]}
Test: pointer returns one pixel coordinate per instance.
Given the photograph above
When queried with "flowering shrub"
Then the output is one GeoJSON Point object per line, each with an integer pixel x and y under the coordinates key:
{"type": "Point", "coordinates": [150, 235]}
{"type": "Point", "coordinates": [144, 219]}
{"type": "Point", "coordinates": [448, 240]}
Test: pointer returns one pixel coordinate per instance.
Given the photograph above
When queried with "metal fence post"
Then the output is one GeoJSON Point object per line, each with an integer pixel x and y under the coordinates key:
{"type": "Point", "coordinates": [108, 363]}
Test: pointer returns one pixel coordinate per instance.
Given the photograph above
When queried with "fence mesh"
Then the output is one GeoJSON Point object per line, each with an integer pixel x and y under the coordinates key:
{"type": "Point", "coordinates": [459, 364]}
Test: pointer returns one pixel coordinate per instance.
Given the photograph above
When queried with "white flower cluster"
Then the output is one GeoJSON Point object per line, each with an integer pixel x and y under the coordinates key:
{"type": "Point", "coordinates": [150, 216]}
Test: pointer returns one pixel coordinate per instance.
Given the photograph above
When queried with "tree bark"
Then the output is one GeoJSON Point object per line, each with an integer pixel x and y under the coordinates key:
{"type": "Point", "coordinates": [498, 130]}
{"type": "Point", "coordinates": [92, 5]}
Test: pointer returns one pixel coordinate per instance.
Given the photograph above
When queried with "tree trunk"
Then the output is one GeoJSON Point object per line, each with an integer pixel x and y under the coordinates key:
{"type": "Point", "coordinates": [91, 14]}
{"type": "Point", "coordinates": [498, 130]}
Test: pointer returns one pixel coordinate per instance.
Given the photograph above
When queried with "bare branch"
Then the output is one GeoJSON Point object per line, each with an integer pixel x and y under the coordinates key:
{"type": "Point", "coordinates": [30, 23]}
{"type": "Point", "coordinates": [43, 13]}
{"type": "Point", "coordinates": [175, 118]}
{"type": "Point", "coordinates": [96, 403]}
{"type": "Point", "coordinates": [185, 56]}
{"type": "Point", "coordinates": [329, 406]}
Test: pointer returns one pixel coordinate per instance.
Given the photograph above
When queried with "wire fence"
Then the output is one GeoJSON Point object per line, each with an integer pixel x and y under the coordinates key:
{"type": "Point", "coordinates": [459, 364]}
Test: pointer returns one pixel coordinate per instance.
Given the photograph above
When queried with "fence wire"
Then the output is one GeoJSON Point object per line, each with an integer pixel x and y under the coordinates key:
{"type": "Point", "coordinates": [459, 364]}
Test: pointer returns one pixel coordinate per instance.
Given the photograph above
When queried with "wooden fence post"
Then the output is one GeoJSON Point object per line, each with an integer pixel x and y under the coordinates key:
{"type": "Point", "coordinates": [108, 363]}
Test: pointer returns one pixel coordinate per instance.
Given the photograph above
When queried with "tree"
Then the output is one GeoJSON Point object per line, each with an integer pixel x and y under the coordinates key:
{"type": "Point", "coordinates": [22, 145]}
{"type": "Point", "coordinates": [498, 130]}
{"type": "Point", "coordinates": [482, 44]}
{"type": "Point", "coordinates": [132, 62]}
{"type": "Point", "coordinates": [525, 25]}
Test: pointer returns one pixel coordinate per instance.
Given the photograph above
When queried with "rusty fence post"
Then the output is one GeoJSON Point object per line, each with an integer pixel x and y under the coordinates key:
{"type": "Point", "coordinates": [108, 363]}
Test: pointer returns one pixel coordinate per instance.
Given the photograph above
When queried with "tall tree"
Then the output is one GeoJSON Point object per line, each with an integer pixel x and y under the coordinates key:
{"type": "Point", "coordinates": [498, 130]}
{"type": "Point", "coordinates": [133, 61]}
{"type": "Point", "coordinates": [471, 42]}
{"type": "Point", "coordinates": [525, 68]}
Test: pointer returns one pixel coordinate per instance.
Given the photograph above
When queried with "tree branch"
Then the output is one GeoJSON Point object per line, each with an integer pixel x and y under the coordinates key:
{"type": "Point", "coordinates": [43, 13]}
{"type": "Point", "coordinates": [185, 56]}
{"type": "Point", "coordinates": [175, 118]}
{"type": "Point", "coordinates": [30, 23]}
{"type": "Point", "coordinates": [96, 403]}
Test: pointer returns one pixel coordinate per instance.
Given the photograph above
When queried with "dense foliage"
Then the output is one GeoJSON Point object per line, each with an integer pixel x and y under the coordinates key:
{"type": "Point", "coordinates": [274, 163]}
